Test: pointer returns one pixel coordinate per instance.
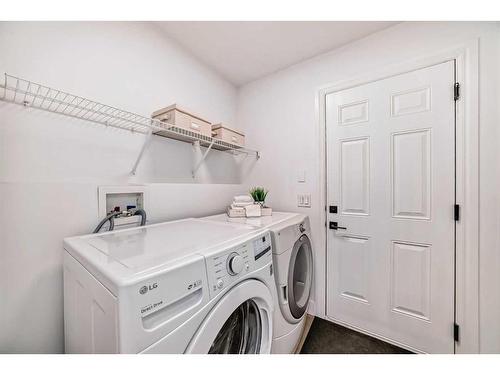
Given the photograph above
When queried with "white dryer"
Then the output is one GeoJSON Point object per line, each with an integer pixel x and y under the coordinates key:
{"type": "Point", "coordinates": [293, 262]}
{"type": "Point", "coordinates": [188, 286]}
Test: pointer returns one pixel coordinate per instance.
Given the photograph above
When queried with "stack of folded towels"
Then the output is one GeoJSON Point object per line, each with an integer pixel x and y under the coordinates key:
{"type": "Point", "coordinates": [243, 206]}
{"type": "Point", "coordinates": [241, 201]}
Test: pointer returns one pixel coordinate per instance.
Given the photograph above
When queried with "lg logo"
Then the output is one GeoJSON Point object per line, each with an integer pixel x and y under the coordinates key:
{"type": "Point", "coordinates": [144, 289]}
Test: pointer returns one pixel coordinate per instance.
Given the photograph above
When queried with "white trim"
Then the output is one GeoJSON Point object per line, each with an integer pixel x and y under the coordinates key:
{"type": "Point", "coordinates": [467, 180]}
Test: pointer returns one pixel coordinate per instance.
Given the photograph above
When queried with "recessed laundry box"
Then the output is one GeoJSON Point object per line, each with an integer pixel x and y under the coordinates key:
{"type": "Point", "coordinates": [224, 133]}
{"type": "Point", "coordinates": [184, 119]}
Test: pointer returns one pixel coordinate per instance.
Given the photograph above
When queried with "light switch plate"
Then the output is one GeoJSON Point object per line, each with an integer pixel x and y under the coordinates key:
{"type": "Point", "coordinates": [304, 200]}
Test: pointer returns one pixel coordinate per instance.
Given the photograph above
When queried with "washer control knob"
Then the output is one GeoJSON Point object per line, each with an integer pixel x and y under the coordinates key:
{"type": "Point", "coordinates": [220, 283]}
{"type": "Point", "coordinates": [235, 264]}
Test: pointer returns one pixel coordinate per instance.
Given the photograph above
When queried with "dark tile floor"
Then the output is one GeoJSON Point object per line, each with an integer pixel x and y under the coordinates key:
{"type": "Point", "coordinates": [328, 338]}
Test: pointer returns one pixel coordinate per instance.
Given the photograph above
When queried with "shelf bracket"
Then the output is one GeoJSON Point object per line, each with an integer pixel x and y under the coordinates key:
{"type": "Point", "coordinates": [198, 165]}
{"type": "Point", "coordinates": [147, 139]}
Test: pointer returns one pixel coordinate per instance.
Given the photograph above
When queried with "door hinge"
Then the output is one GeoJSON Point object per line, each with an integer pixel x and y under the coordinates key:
{"type": "Point", "coordinates": [456, 91]}
{"type": "Point", "coordinates": [456, 332]}
{"type": "Point", "coordinates": [457, 212]}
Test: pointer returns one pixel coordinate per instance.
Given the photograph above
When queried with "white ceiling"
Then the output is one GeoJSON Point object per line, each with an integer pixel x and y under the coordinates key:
{"type": "Point", "coordinates": [244, 51]}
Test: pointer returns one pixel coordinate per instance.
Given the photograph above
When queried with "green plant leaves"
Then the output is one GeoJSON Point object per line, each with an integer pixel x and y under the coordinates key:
{"type": "Point", "coordinates": [258, 194]}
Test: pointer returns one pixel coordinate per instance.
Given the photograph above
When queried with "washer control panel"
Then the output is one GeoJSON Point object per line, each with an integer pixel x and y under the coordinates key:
{"type": "Point", "coordinates": [227, 267]}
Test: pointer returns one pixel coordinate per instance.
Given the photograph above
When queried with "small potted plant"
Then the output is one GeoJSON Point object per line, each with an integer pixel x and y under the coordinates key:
{"type": "Point", "coordinates": [259, 195]}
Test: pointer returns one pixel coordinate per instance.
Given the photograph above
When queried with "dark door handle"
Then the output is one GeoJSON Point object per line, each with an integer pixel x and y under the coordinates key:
{"type": "Point", "coordinates": [334, 225]}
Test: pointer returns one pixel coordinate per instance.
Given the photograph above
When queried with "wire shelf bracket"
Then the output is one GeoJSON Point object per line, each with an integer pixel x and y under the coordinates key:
{"type": "Point", "coordinates": [141, 153]}
{"type": "Point", "coordinates": [34, 95]}
{"type": "Point", "coordinates": [200, 162]}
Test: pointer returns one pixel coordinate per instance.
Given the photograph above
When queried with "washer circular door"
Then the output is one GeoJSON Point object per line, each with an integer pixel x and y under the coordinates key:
{"type": "Point", "coordinates": [240, 323]}
{"type": "Point", "coordinates": [300, 277]}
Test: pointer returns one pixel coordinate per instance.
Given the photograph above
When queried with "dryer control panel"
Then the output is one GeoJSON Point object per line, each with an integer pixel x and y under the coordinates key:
{"type": "Point", "coordinates": [227, 267]}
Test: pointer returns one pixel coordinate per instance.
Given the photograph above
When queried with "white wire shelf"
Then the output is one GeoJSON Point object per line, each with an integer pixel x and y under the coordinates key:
{"type": "Point", "coordinates": [34, 95]}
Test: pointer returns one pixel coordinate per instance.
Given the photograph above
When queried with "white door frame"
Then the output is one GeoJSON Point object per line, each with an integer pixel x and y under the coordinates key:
{"type": "Point", "coordinates": [466, 57]}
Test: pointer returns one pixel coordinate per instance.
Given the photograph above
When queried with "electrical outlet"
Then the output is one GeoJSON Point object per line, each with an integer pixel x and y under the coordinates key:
{"type": "Point", "coordinates": [304, 200]}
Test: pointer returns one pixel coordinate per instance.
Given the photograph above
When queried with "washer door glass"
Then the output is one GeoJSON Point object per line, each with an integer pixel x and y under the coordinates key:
{"type": "Point", "coordinates": [241, 333]}
{"type": "Point", "coordinates": [300, 277]}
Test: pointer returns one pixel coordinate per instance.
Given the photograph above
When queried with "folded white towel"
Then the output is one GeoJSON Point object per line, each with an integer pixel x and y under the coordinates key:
{"type": "Point", "coordinates": [240, 212]}
{"type": "Point", "coordinates": [243, 198]}
{"type": "Point", "coordinates": [240, 205]}
{"type": "Point", "coordinates": [236, 207]}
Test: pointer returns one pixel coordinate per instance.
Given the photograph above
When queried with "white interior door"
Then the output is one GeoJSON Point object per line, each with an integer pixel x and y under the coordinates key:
{"type": "Point", "coordinates": [391, 174]}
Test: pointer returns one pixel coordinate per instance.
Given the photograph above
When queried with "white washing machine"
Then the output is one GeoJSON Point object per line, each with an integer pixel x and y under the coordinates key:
{"type": "Point", "coordinates": [293, 261]}
{"type": "Point", "coordinates": [188, 286]}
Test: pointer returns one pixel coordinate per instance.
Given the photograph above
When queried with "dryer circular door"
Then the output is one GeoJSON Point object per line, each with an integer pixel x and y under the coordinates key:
{"type": "Point", "coordinates": [300, 277]}
{"type": "Point", "coordinates": [240, 323]}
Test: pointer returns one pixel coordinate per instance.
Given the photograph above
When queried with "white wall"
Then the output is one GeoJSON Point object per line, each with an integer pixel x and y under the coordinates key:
{"type": "Point", "coordinates": [51, 166]}
{"type": "Point", "coordinates": [279, 115]}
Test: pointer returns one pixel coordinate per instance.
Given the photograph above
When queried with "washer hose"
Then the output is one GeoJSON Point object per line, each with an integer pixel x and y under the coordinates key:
{"type": "Point", "coordinates": [111, 218]}
{"type": "Point", "coordinates": [141, 212]}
